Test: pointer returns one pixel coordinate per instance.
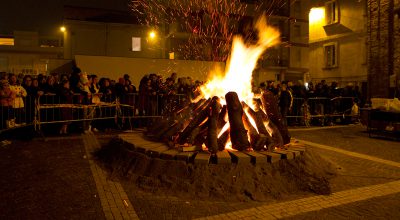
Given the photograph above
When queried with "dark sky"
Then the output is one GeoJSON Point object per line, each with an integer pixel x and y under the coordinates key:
{"type": "Point", "coordinates": [45, 16]}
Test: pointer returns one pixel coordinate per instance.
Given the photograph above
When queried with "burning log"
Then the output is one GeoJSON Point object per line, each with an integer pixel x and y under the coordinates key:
{"type": "Point", "coordinates": [274, 136]}
{"type": "Point", "coordinates": [201, 138]}
{"type": "Point", "coordinates": [197, 120]}
{"type": "Point", "coordinates": [212, 131]}
{"type": "Point", "coordinates": [173, 124]}
{"type": "Point", "coordinates": [223, 139]}
{"type": "Point", "coordinates": [238, 133]}
{"type": "Point", "coordinates": [258, 119]}
{"type": "Point", "coordinates": [270, 105]}
{"type": "Point", "coordinates": [257, 140]}
{"type": "Point", "coordinates": [221, 117]}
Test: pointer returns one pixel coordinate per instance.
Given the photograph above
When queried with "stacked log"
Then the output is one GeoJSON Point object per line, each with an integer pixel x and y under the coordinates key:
{"type": "Point", "coordinates": [238, 133]}
{"type": "Point", "coordinates": [270, 104]}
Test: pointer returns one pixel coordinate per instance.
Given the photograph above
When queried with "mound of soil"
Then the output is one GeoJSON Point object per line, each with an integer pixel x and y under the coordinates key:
{"type": "Point", "coordinates": [231, 182]}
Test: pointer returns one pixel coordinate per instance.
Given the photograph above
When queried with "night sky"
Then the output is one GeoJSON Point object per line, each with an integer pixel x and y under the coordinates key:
{"type": "Point", "coordinates": [44, 16]}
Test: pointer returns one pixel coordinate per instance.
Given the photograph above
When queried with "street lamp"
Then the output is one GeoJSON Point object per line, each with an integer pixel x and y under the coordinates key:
{"type": "Point", "coordinates": [152, 34]}
{"type": "Point", "coordinates": [317, 16]}
{"type": "Point", "coordinates": [62, 29]}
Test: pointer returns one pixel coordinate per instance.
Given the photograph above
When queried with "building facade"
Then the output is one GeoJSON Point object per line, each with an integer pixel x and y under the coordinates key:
{"type": "Point", "coordinates": [338, 41]}
{"type": "Point", "coordinates": [384, 50]}
{"type": "Point", "coordinates": [110, 33]}
{"type": "Point", "coordinates": [288, 61]}
{"type": "Point", "coordinates": [29, 53]}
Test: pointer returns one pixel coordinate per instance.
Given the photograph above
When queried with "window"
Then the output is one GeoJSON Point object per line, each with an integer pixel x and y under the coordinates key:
{"type": "Point", "coordinates": [7, 41]}
{"type": "Point", "coordinates": [331, 12]}
{"type": "Point", "coordinates": [331, 55]}
{"type": "Point", "coordinates": [136, 44]}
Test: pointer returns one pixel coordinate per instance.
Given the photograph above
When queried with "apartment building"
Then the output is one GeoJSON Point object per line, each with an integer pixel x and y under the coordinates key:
{"type": "Point", "coordinates": [338, 41]}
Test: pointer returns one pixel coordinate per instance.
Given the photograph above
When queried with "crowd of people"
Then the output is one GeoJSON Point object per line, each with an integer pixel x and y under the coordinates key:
{"type": "Point", "coordinates": [326, 99]}
{"type": "Point", "coordinates": [152, 96]}
{"type": "Point", "coordinates": [18, 93]}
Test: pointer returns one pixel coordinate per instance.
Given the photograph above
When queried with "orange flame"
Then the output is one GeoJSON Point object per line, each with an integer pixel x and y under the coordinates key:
{"type": "Point", "coordinates": [226, 127]}
{"type": "Point", "coordinates": [240, 65]}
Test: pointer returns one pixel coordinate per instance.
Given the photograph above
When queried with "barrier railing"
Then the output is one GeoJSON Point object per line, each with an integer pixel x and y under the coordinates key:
{"type": "Point", "coordinates": [49, 108]}
{"type": "Point", "coordinates": [320, 109]}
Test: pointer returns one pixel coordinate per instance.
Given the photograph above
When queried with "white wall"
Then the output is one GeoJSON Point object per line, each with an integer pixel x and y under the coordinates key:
{"type": "Point", "coordinates": [115, 67]}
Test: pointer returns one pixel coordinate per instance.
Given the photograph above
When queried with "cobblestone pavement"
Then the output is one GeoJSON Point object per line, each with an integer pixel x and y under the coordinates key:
{"type": "Point", "coordinates": [367, 187]}
{"type": "Point", "coordinates": [47, 180]}
{"type": "Point", "coordinates": [352, 138]}
{"type": "Point", "coordinates": [41, 180]}
{"type": "Point", "coordinates": [115, 202]}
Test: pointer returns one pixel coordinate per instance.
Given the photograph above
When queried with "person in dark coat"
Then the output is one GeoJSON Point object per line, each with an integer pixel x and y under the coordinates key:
{"type": "Point", "coordinates": [66, 97]}
{"type": "Point", "coordinates": [285, 102]}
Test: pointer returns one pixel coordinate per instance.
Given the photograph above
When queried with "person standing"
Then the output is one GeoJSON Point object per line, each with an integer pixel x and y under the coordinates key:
{"type": "Point", "coordinates": [66, 97]}
{"type": "Point", "coordinates": [285, 102]}
{"type": "Point", "coordinates": [18, 102]}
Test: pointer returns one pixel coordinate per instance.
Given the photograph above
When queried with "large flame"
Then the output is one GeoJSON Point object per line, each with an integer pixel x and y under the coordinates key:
{"type": "Point", "coordinates": [240, 65]}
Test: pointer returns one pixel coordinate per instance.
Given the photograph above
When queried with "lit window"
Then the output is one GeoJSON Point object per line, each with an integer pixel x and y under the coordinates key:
{"type": "Point", "coordinates": [136, 44]}
{"type": "Point", "coordinates": [331, 55]}
{"type": "Point", "coordinates": [7, 41]}
{"type": "Point", "coordinates": [331, 12]}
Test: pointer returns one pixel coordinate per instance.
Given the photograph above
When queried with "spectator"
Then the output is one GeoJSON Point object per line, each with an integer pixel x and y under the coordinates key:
{"type": "Point", "coordinates": [18, 102]}
{"type": "Point", "coordinates": [27, 82]}
{"type": "Point", "coordinates": [6, 101]}
{"type": "Point", "coordinates": [285, 102]}
{"type": "Point", "coordinates": [94, 89]}
{"type": "Point", "coordinates": [30, 98]}
{"type": "Point", "coordinates": [127, 80]}
{"type": "Point", "coordinates": [106, 90]}
{"type": "Point", "coordinates": [66, 97]}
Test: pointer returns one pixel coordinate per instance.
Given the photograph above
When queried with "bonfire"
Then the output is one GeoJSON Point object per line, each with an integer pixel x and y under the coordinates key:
{"type": "Point", "coordinates": [227, 114]}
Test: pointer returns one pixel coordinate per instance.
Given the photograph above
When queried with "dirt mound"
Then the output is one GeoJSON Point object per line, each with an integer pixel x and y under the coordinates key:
{"type": "Point", "coordinates": [307, 173]}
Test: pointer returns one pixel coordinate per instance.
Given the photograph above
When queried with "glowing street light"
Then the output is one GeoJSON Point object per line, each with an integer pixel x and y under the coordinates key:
{"type": "Point", "coordinates": [62, 29]}
{"type": "Point", "coordinates": [152, 34]}
{"type": "Point", "coordinates": [317, 16]}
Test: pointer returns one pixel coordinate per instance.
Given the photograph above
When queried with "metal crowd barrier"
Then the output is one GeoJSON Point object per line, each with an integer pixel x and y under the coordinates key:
{"type": "Point", "coordinates": [48, 109]}
{"type": "Point", "coordinates": [51, 108]}
{"type": "Point", "coordinates": [320, 109]}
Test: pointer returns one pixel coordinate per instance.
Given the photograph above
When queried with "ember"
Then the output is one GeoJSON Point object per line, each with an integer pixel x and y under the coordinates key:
{"type": "Point", "coordinates": [227, 113]}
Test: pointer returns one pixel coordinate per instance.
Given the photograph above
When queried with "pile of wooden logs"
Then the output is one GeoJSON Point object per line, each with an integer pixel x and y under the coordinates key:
{"type": "Point", "coordinates": [200, 125]}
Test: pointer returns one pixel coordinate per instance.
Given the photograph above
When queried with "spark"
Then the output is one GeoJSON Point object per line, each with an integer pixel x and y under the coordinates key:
{"type": "Point", "coordinates": [211, 24]}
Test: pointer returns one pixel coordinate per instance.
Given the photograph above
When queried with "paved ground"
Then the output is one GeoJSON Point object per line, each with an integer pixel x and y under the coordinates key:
{"type": "Point", "coordinates": [58, 179]}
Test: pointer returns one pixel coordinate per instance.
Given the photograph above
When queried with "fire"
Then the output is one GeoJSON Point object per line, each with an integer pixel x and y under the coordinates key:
{"type": "Point", "coordinates": [238, 73]}
{"type": "Point", "coordinates": [240, 66]}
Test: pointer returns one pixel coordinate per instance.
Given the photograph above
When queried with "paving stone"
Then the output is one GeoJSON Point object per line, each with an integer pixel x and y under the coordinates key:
{"type": "Point", "coordinates": [156, 152]}
{"type": "Point", "coordinates": [169, 154]}
{"type": "Point", "coordinates": [272, 157]}
{"type": "Point", "coordinates": [186, 156]}
{"type": "Point", "coordinates": [257, 158]}
{"type": "Point", "coordinates": [143, 148]}
{"type": "Point", "coordinates": [202, 158]}
{"type": "Point", "coordinates": [240, 157]}
{"type": "Point", "coordinates": [223, 157]}
{"type": "Point", "coordinates": [295, 153]}
{"type": "Point", "coordinates": [284, 154]}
